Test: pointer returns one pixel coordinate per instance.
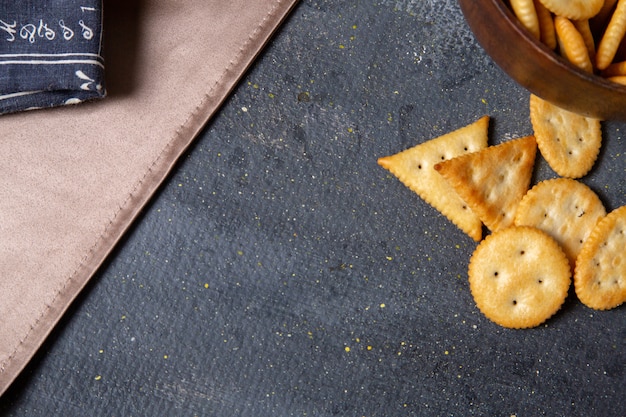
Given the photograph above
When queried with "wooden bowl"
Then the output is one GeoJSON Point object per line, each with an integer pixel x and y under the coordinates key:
{"type": "Point", "coordinates": [539, 69]}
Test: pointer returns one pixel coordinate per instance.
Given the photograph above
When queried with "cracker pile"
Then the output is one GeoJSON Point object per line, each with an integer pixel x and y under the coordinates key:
{"type": "Point", "coordinates": [588, 33]}
{"type": "Point", "coordinates": [540, 236]}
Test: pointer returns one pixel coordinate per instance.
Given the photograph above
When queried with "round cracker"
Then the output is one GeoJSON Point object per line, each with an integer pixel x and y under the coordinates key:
{"type": "Point", "coordinates": [600, 274]}
{"type": "Point", "coordinates": [564, 208]}
{"type": "Point", "coordinates": [519, 277]}
{"type": "Point", "coordinates": [569, 142]}
{"type": "Point", "coordinates": [574, 9]}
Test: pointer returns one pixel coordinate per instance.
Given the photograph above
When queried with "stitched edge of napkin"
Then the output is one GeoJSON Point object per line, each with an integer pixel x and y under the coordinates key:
{"type": "Point", "coordinates": [143, 192]}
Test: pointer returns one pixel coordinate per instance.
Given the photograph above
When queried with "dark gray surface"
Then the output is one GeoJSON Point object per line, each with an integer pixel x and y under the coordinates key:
{"type": "Point", "coordinates": [279, 243]}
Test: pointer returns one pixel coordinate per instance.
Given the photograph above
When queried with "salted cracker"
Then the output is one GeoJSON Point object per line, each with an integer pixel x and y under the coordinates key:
{"type": "Point", "coordinates": [600, 273]}
{"type": "Point", "coordinates": [493, 180]}
{"type": "Point", "coordinates": [569, 142]}
{"type": "Point", "coordinates": [519, 277]}
{"type": "Point", "coordinates": [564, 208]}
{"type": "Point", "coordinates": [414, 167]}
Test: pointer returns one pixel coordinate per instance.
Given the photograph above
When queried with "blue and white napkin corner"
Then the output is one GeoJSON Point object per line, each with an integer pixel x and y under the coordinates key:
{"type": "Point", "coordinates": [50, 53]}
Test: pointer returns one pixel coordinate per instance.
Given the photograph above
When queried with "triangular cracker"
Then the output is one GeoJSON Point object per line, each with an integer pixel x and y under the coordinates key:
{"type": "Point", "coordinates": [493, 181]}
{"type": "Point", "coordinates": [415, 168]}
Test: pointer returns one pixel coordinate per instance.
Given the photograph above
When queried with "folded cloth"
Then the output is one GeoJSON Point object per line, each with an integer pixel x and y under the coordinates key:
{"type": "Point", "coordinates": [50, 53]}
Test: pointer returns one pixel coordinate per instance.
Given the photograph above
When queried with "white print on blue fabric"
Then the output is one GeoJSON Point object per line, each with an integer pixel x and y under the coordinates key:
{"type": "Point", "coordinates": [47, 29]}
{"type": "Point", "coordinates": [59, 50]}
{"type": "Point", "coordinates": [43, 30]}
{"type": "Point", "coordinates": [50, 59]}
{"type": "Point", "coordinates": [87, 86]}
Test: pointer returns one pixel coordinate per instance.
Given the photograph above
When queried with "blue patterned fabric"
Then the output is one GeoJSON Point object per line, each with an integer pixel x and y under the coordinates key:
{"type": "Point", "coordinates": [50, 53]}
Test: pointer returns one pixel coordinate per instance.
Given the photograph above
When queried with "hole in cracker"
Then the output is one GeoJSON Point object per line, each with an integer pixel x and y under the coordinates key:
{"type": "Point", "coordinates": [539, 281]}
{"type": "Point", "coordinates": [514, 302]}
{"type": "Point", "coordinates": [495, 274]}
{"type": "Point", "coordinates": [522, 252]}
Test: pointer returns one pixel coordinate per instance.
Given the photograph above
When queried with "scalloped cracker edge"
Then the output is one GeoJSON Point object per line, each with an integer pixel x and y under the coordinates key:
{"type": "Point", "coordinates": [494, 180]}
{"type": "Point", "coordinates": [569, 142]}
{"type": "Point", "coordinates": [600, 273]}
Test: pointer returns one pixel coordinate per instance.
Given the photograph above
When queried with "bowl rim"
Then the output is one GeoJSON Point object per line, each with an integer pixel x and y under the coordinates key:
{"type": "Point", "coordinates": [607, 99]}
{"type": "Point", "coordinates": [551, 54]}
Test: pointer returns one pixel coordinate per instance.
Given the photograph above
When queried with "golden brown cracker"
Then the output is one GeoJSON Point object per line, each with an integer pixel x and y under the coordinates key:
{"type": "Point", "coordinates": [612, 37]}
{"type": "Point", "coordinates": [615, 69]}
{"type": "Point", "coordinates": [493, 180]}
{"type": "Point", "coordinates": [572, 44]}
{"type": "Point", "coordinates": [600, 274]}
{"type": "Point", "coordinates": [569, 142]}
{"type": "Point", "coordinates": [564, 208]}
{"type": "Point", "coordinates": [519, 277]}
{"type": "Point", "coordinates": [618, 79]}
{"type": "Point", "coordinates": [601, 19]}
{"type": "Point", "coordinates": [414, 167]}
{"type": "Point", "coordinates": [584, 28]}
{"type": "Point", "coordinates": [527, 15]}
{"type": "Point", "coordinates": [546, 25]}
{"type": "Point", "coordinates": [574, 9]}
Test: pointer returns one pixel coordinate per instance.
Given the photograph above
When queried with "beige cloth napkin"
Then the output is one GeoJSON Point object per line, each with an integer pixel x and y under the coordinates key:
{"type": "Point", "coordinates": [74, 178]}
